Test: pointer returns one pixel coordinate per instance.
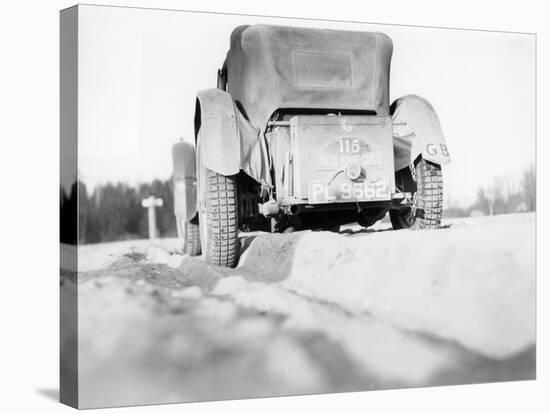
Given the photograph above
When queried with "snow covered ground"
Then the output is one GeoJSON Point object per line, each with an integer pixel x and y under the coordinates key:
{"type": "Point", "coordinates": [307, 312]}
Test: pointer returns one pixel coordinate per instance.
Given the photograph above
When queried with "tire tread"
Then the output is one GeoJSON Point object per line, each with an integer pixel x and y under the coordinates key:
{"type": "Point", "coordinates": [429, 192]}
{"type": "Point", "coordinates": [192, 240]}
{"type": "Point", "coordinates": [222, 220]}
{"type": "Point", "coordinates": [429, 181]}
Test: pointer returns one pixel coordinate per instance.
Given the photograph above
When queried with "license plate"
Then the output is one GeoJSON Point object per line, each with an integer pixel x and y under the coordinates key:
{"type": "Point", "coordinates": [345, 190]}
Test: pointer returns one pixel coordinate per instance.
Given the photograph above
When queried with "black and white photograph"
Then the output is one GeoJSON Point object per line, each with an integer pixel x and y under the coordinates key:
{"type": "Point", "coordinates": [261, 206]}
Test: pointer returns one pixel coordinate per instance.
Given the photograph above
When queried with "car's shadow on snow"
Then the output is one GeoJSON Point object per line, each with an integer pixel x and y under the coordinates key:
{"type": "Point", "coordinates": [246, 240]}
{"type": "Point", "coordinates": [348, 231]}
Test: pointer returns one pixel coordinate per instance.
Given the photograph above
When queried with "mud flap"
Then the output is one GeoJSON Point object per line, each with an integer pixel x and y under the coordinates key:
{"type": "Point", "coordinates": [185, 181]}
{"type": "Point", "coordinates": [416, 130]}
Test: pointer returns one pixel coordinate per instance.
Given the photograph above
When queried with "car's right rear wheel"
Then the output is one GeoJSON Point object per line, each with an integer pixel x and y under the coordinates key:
{"type": "Point", "coordinates": [425, 182]}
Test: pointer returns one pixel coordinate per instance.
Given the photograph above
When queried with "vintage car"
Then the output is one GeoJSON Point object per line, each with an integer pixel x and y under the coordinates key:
{"type": "Point", "coordinates": [299, 133]}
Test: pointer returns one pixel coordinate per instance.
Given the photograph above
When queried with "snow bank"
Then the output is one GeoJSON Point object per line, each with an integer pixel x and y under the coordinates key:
{"type": "Point", "coordinates": [473, 283]}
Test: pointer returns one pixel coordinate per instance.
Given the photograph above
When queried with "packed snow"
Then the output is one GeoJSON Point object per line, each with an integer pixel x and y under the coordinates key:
{"type": "Point", "coordinates": [307, 312]}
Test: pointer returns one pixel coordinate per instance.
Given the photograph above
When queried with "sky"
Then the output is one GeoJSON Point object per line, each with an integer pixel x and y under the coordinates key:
{"type": "Point", "coordinates": [139, 72]}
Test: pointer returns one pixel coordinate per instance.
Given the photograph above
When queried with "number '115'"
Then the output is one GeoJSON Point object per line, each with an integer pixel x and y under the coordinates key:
{"type": "Point", "coordinates": [349, 145]}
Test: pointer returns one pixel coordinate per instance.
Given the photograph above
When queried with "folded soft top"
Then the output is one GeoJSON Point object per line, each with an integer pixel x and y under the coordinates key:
{"type": "Point", "coordinates": [272, 67]}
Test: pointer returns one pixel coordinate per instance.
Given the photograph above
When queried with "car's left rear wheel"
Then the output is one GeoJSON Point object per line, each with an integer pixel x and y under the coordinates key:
{"type": "Point", "coordinates": [191, 237]}
{"type": "Point", "coordinates": [218, 218]}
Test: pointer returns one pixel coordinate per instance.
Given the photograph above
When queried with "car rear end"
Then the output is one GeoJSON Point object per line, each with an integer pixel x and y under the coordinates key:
{"type": "Point", "coordinates": [332, 162]}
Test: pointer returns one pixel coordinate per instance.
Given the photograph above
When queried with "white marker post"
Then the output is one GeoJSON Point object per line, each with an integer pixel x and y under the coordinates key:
{"type": "Point", "coordinates": [151, 203]}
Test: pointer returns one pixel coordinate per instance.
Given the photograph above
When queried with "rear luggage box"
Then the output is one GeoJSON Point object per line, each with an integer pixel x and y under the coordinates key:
{"type": "Point", "coordinates": [337, 159]}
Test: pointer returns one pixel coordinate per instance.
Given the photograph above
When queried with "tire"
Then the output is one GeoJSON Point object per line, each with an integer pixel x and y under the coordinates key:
{"type": "Point", "coordinates": [219, 219]}
{"type": "Point", "coordinates": [191, 238]}
{"type": "Point", "coordinates": [427, 190]}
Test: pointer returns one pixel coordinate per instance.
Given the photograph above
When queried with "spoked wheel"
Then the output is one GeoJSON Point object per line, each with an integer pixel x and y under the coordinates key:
{"type": "Point", "coordinates": [190, 233]}
{"type": "Point", "coordinates": [218, 218]}
{"type": "Point", "coordinates": [425, 182]}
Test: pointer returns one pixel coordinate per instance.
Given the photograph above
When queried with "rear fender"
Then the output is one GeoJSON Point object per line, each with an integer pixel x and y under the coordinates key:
{"type": "Point", "coordinates": [417, 131]}
{"type": "Point", "coordinates": [185, 181]}
{"type": "Point", "coordinates": [217, 132]}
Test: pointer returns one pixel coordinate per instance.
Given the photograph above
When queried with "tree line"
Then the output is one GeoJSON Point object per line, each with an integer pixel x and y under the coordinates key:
{"type": "Point", "coordinates": [113, 211]}
{"type": "Point", "coordinates": [504, 195]}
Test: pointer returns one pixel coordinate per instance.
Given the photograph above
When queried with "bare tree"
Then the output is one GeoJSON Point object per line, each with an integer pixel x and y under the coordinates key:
{"type": "Point", "coordinates": [528, 188]}
{"type": "Point", "coordinates": [495, 193]}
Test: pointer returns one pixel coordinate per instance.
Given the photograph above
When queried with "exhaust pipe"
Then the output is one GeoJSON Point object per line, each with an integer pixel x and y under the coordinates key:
{"type": "Point", "coordinates": [294, 209]}
{"type": "Point", "coordinates": [271, 209]}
